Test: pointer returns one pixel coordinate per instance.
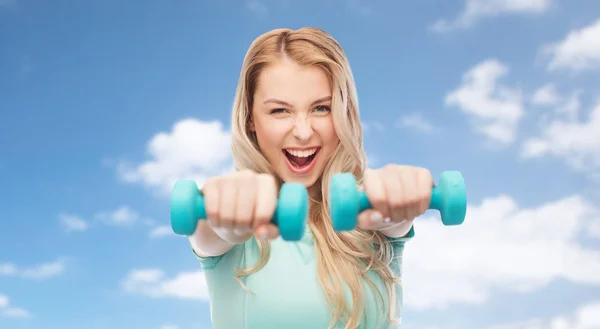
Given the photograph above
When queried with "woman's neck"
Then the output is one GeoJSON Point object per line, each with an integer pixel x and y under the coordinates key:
{"type": "Point", "coordinates": [314, 191]}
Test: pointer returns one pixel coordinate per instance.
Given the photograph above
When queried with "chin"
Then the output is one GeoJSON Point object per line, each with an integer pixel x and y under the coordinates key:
{"type": "Point", "coordinates": [306, 180]}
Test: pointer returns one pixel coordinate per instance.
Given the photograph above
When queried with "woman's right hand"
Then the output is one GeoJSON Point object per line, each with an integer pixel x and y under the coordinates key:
{"type": "Point", "coordinates": [241, 204]}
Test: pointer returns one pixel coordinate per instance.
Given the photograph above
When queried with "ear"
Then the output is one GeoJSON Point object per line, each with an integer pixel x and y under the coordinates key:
{"type": "Point", "coordinates": [251, 125]}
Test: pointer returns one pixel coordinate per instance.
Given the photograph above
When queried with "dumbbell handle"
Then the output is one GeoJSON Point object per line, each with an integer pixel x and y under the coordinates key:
{"type": "Point", "coordinates": [434, 203]}
{"type": "Point", "coordinates": [200, 209]}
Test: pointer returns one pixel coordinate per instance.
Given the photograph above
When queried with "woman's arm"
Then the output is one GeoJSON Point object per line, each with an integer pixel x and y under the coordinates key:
{"type": "Point", "coordinates": [207, 243]}
{"type": "Point", "coordinates": [399, 230]}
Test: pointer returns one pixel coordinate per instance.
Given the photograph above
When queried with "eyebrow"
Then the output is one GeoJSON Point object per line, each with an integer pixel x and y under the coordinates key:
{"type": "Point", "coordinates": [278, 101]}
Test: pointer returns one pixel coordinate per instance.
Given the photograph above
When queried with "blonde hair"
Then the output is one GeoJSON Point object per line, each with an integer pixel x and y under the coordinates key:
{"type": "Point", "coordinates": [342, 257]}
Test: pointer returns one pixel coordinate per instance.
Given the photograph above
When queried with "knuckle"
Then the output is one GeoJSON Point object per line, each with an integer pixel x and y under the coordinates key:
{"type": "Point", "coordinates": [388, 169]}
{"type": "Point", "coordinates": [424, 172]}
{"type": "Point", "coordinates": [211, 212]}
{"type": "Point", "coordinates": [210, 183]}
{"type": "Point", "coordinates": [398, 203]}
{"type": "Point", "coordinates": [414, 199]}
{"type": "Point", "coordinates": [378, 201]}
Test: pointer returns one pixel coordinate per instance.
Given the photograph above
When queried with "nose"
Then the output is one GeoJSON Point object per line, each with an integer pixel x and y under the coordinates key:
{"type": "Point", "coordinates": [302, 129]}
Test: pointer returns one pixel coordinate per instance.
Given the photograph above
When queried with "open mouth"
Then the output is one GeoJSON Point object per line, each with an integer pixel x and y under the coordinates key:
{"type": "Point", "coordinates": [301, 159]}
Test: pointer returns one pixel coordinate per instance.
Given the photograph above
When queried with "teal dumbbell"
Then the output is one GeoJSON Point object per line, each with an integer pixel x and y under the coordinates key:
{"type": "Point", "coordinates": [346, 201]}
{"type": "Point", "coordinates": [291, 213]}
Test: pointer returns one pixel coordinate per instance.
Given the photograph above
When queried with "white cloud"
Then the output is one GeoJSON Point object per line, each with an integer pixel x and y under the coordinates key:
{"type": "Point", "coordinates": [415, 121]}
{"type": "Point", "coordinates": [15, 312]}
{"type": "Point", "coordinates": [499, 246]}
{"type": "Point", "coordinates": [585, 317]}
{"type": "Point", "coordinates": [579, 50]}
{"type": "Point", "coordinates": [123, 216]}
{"type": "Point", "coordinates": [370, 126]}
{"type": "Point", "coordinates": [7, 269]}
{"type": "Point", "coordinates": [11, 312]}
{"type": "Point", "coordinates": [575, 140]}
{"type": "Point", "coordinates": [475, 10]}
{"type": "Point", "coordinates": [39, 272]}
{"type": "Point", "coordinates": [373, 161]}
{"type": "Point", "coordinates": [3, 301]}
{"type": "Point", "coordinates": [153, 283]}
{"type": "Point", "coordinates": [546, 95]}
{"type": "Point", "coordinates": [564, 107]}
{"type": "Point", "coordinates": [161, 231]}
{"type": "Point", "coordinates": [495, 109]}
{"type": "Point", "coordinates": [192, 150]}
{"type": "Point", "coordinates": [44, 271]}
{"type": "Point", "coordinates": [72, 223]}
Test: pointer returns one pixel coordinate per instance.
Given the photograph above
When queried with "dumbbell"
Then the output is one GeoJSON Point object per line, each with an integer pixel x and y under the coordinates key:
{"type": "Point", "coordinates": [291, 213]}
{"type": "Point", "coordinates": [346, 201]}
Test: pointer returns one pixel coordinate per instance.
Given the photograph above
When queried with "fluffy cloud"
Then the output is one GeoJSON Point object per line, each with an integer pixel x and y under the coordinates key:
{"type": "Point", "coordinates": [500, 245]}
{"type": "Point", "coordinates": [371, 126]}
{"type": "Point", "coordinates": [161, 231]}
{"type": "Point", "coordinates": [73, 223]}
{"type": "Point", "coordinates": [567, 136]}
{"type": "Point", "coordinates": [585, 317]}
{"type": "Point", "coordinates": [191, 150]}
{"type": "Point", "coordinates": [123, 216]}
{"type": "Point", "coordinates": [11, 312]}
{"type": "Point", "coordinates": [154, 283]}
{"type": "Point", "coordinates": [495, 109]}
{"type": "Point", "coordinates": [39, 272]}
{"type": "Point", "coordinates": [415, 121]}
{"type": "Point", "coordinates": [579, 50]}
{"type": "Point", "coordinates": [545, 95]}
{"type": "Point", "coordinates": [15, 312]}
{"type": "Point", "coordinates": [7, 269]}
{"type": "Point", "coordinates": [475, 10]}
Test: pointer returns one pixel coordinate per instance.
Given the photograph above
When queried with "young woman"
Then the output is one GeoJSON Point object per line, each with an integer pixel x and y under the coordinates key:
{"type": "Point", "coordinates": [296, 119]}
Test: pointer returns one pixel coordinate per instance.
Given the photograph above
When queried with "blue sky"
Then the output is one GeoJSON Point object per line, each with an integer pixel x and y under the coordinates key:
{"type": "Point", "coordinates": [105, 103]}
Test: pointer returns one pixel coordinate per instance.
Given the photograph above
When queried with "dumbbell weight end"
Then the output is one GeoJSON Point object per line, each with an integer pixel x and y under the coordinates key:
{"type": "Point", "coordinates": [187, 207]}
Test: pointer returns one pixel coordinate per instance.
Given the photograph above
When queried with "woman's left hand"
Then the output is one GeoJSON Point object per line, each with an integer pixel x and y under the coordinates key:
{"type": "Point", "coordinates": [398, 194]}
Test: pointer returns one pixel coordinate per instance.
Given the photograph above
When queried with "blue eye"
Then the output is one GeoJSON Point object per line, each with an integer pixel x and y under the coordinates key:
{"type": "Point", "coordinates": [321, 108]}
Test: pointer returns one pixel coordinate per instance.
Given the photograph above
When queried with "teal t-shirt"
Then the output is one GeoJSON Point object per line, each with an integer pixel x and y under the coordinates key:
{"type": "Point", "coordinates": [287, 293]}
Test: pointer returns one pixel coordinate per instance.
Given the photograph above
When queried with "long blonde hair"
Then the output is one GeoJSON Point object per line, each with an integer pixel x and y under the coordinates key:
{"type": "Point", "coordinates": [342, 257]}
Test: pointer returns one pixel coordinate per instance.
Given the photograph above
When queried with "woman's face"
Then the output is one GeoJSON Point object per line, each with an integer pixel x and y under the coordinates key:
{"type": "Point", "coordinates": [292, 119]}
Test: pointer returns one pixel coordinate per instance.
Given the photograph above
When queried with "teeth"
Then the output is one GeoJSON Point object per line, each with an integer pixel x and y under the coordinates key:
{"type": "Point", "coordinates": [302, 154]}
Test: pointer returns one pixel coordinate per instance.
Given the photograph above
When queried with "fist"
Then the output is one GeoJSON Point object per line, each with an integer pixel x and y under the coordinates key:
{"type": "Point", "coordinates": [240, 204]}
{"type": "Point", "coordinates": [398, 194]}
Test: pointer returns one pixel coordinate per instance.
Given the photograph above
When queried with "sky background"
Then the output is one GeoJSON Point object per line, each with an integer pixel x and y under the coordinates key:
{"type": "Point", "coordinates": [104, 104]}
